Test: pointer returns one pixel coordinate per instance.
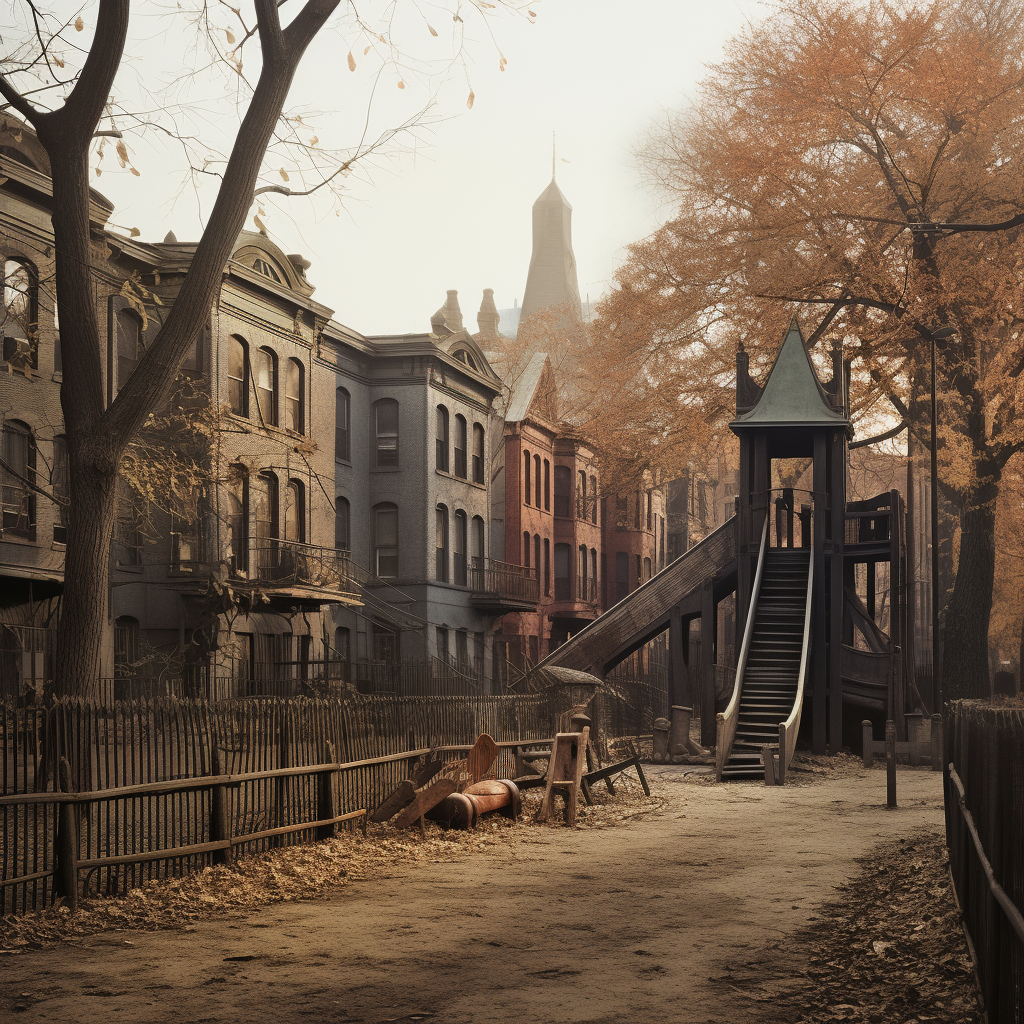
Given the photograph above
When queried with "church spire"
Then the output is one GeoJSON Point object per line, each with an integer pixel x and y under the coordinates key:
{"type": "Point", "coordinates": [551, 281]}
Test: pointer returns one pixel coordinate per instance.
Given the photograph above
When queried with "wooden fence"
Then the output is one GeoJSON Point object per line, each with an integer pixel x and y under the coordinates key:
{"type": "Point", "coordinates": [167, 786]}
{"type": "Point", "coordinates": [984, 783]}
{"type": "Point", "coordinates": [98, 799]}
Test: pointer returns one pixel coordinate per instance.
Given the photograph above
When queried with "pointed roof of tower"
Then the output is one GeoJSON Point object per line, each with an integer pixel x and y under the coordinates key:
{"type": "Point", "coordinates": [792, 395]}
{"type": "Point", "coordinates": [552, 281]}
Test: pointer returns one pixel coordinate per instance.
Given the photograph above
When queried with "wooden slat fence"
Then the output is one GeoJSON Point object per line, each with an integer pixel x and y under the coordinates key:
{"type": "Point", "coordinates": [984, 789]}
{"type": "Point", "coordinates": [197, 782]}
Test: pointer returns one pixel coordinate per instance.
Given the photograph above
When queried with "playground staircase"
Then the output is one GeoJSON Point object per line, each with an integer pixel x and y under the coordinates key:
{"type": "Point", "coordinates": [770, 678]}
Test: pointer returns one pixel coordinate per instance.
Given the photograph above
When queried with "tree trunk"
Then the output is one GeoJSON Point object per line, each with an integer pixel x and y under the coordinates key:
{"type": "Point", "coordinates": [965, 668]}
{"type": "Point", "coordinates": [85, 622]}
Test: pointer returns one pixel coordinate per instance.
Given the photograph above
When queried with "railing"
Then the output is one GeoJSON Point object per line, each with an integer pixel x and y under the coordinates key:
{"type": "Point", "coordinates": [867, 527]}
{"type": "Point", "coordinates": [787, 514]}
{"type": "Point", "coordinates": [789, 729]}
{"type": "Point", "coordinates": [285, 563]}
{"type": "Point", "coordinates": [503, 579]}
{"type": "Point", "coordinates": [728, 720]}
{"type": "Point", "coordinates": [586, 589]}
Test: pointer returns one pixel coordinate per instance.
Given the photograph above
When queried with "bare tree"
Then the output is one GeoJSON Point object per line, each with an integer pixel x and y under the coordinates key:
{"type": "Point", "coordinates": [99, 435]}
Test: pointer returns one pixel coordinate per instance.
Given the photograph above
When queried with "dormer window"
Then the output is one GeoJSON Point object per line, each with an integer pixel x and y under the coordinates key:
{"type": "Point", "coordinates": [466, 357]}
{"type": "Point", "coordinates": [264, 268]}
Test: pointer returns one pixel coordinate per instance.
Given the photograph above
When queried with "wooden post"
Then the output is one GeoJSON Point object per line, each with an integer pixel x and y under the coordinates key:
{"type": "Point", "coordinates": [819, 662]}
{"type": "Point", "coordinates": [708, 719]}
{"type": "Point", "coordinates": [679, 676]}
{"type": "Point", "coordinates": [220, 821]}
{"type": "Point", "coordinates": [867, 752]}
{"type": "Point", "coordinates": [65, 844]}
{"type": "Point", "coordinates": [890, 763]}
{"type": "Point", "coordinates": [914, 736]}
{"type": "Point", "coordinates": [937, 765]}
{"type": "Point", "coordinates": [325, 806]}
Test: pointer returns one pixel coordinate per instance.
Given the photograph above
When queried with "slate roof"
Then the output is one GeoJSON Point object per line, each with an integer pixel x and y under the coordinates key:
{"type": "Point", "coordinates": [525, 389]}
{"type": "Point", "coordinates": [792, 395]}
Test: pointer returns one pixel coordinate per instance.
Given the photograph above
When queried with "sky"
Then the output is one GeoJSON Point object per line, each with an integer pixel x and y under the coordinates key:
{"type": "Point", "coordinates": [453, 209]}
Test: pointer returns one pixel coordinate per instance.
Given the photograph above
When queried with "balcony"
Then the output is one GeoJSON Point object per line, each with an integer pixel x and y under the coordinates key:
{"type": "Point", "coordinates": [500, 587]}
{"type": "Point", "coordinates": [285, 568]}
{"type": "Point", "coordinates": [584, 591]}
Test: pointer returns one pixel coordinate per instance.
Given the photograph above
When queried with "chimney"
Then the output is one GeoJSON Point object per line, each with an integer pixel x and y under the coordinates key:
{"type": "Point", "coordinates": [487, 318]}
{"type": "Point", "coordinates": [449, 317]}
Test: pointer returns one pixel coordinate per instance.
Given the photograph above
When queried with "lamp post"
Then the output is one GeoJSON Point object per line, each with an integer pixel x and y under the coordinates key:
{"type": "Point", "coordinates": [939, 335]}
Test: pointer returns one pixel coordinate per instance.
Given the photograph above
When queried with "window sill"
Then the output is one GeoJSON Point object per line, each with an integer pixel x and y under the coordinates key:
{"type": "Point", "coordinates": [386, 469]}
{"type": "Point", "coordinates": [134, 569]}
{"type": "Point", "coordinates": [9, 537]}
{"type": "Point", "coordinates": [58, 377]}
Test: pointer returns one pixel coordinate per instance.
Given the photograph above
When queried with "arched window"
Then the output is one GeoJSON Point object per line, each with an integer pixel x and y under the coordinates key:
{"type": "Point", "coordinates": [650, 511]}
{"type": "Point", "coordinates": [60, 485]}
{"type": "Point", "coordinates": [18, 498]}
{"type": "Point", "coordinates": [441, 544]}
{"type": "Point", "coordinates": [582, 590]}
{"type": "Point", "coordinates": [547, 486]}
{"type": "Point", "coordinates": [342, 426]}
{"type": "Point", "coordinates": [536, 554]}
{"type": "Point", "coordinates": [129, 344]}
{"type": "Point", "coordinates": [461, 528]}
{"type": "Point", "coordinates": [441, 446]}
{"type": "Point", "coordinates": [460, 446]}
{"type": "Point", "coordinates": [478, 542]}
{"type": "Point", "coordinates": [581, 496]}
{"type": "Point", "coordinates": [547, 567]}
{"type": "Point", "coordinates": [266, 385]}
{"type": "Point", "coordinates": [478, 454]}
{"type": "Point", "coordinates": [294, 397]}
{"type": "Point", "coordinates": [295, 512]}
{"type": "Point", "coordinates": [238, 522]}
{"type": "Point", "coordinates": [19, 315]}
{"type": "Point", "coordinates": [342, 524]}
{"type": "Point", "coordinates": [267, 523]}
{"type": "Point", "coordinates": [385, 422]}
{"type": "Point", "coordinates": [526, 549]}
{"type": "Point", "coordinates": [238, 376]}
{"type": "Point", "coordinates": [266, 269]}
{"type": "Point", "coordinates": [593, 500]}
{"type": "Point", "coordinates": [621, 574]}
{"type": "Point", "coordinates": [385, 541]}
{"type": "Point", "coordinates": [647, 568]}
{"type": "Point", "coordinates": [536, 480]}
{"type": "Point", "coordinates": [527, 489]}
{"type": "Point", "coordinates": [593, 574]}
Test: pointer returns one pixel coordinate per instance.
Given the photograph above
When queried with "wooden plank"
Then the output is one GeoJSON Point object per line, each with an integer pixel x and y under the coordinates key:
{"type": "Point", "coordinates": [480, 759]}
{"type": "Point", "coordinates": [425, 800]}
{"type": "Point", "coordinates": [398, 799]}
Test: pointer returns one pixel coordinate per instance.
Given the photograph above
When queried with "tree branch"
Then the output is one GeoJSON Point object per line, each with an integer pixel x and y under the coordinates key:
{"type": "Point", "coordinates": [880, 437]}
{"type": "Point", "coordinates": [8, 468]}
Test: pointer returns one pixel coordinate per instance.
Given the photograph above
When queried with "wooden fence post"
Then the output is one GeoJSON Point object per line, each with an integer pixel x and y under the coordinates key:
{"type": "Point", "coordinates": [325, 806]}
{"type": "Point", "coordinates": [220, 822]}
{"type": "Point", "coordinates": [867, 750]}
{"type": "Point", "coordinates": [65, 845]}
{"type": "Point", "coordinates": [937, 765]}
{"type": "Point", "coordinates": [890, 763]}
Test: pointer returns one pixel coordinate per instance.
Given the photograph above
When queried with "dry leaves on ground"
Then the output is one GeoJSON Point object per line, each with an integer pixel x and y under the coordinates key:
{"type": "Point", "coordinates": [301, 872]}
{"type": "Point", "coordinates": [887, 950]}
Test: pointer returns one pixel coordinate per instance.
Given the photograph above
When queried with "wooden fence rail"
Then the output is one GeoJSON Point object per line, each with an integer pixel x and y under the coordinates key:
{"type": "Point", "coordinates": [984, 799]}
{"type": "Point", "coordinates": [98, 800]}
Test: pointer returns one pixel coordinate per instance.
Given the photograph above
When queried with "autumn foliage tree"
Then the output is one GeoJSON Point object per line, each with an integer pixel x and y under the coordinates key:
{"type": "Point", "coordinates": [860, 165]}
{"type": "Point", "coordinates": [61, 76]}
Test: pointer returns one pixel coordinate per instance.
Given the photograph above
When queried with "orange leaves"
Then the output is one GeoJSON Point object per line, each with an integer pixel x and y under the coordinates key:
{"type": "Point", "coordinates": [79, 24]}
{"type": "Point", "coordinates": [352, 60]}
{"type": "Point", "coordinates": [469, 99]}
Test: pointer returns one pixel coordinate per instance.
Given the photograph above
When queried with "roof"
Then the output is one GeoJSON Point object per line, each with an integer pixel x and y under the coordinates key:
{"type": "Point", "coordinates": [552, 194]}
{"type": "Point", "coordinates": [792, 395]}
{"type": "Point", "coordinates": [525, 389]}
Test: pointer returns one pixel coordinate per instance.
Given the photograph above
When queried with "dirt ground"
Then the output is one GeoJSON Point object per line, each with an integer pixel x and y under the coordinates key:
{"type": "Point", "coordinates": [643, 920]}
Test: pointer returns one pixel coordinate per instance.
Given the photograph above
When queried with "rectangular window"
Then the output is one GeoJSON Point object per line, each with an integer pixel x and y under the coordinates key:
{"type": "Point", "coordinates": [563, 584]}
{"type": "Point", "coordinates": [621, 574]}
{"type": "Point", "coordinates": [441, 635]}
{"type": "Point", "coordinates": [462, 650]}
{"type": "Point", "coordinates": [386, 430]}
{"type": "Point", "coordinates": [461, 442]}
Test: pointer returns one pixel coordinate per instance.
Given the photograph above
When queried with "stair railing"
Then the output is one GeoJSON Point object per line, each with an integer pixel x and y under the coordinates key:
{"type": "Point", "coordinates": [728, 720]}
{"type": "Point", "coordinates": [791, 726]}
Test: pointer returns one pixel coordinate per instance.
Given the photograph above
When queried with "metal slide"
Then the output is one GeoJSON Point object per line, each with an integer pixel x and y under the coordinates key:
{"type": "Point", "coordinates": [771, 672]}
{"type": "Point", "coordinates": [646, 612]}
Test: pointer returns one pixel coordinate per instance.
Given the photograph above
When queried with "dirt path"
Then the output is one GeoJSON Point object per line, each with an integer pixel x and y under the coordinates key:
{"type": "Point", "coordinates": [621, 924]}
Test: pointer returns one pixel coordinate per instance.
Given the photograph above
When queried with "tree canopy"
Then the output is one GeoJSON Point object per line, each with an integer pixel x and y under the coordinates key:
{"type": "Point", "coordinates": [861, 165]}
